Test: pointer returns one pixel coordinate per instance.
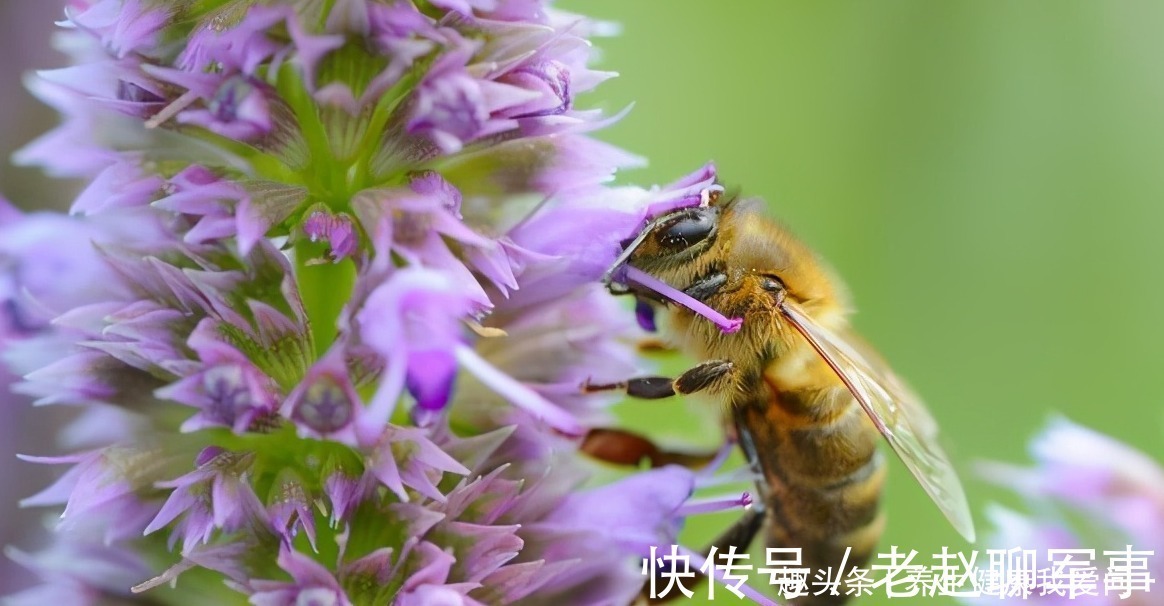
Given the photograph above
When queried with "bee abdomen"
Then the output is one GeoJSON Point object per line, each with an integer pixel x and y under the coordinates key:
{"type": "Point", "coordinates": [824, 557]}
{"type": "Point", "coordinates": [823, 514]}
{"type": "Point", "coordinates": [835, 526]}
{"type": "Point", "coordinates": [824, 478]}
{"type": "Point", "coordinates": [829, 447]}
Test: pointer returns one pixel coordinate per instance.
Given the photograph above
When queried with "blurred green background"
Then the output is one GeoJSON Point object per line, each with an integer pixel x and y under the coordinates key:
{"type": "Point", "coordinates": [988, 178]}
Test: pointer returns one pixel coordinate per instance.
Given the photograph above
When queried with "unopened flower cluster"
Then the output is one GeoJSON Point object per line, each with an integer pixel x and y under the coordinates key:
{"type": "Point", "coordinates": [324, 306]}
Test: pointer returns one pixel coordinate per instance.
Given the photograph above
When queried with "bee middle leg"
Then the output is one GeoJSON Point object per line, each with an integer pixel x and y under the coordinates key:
{"type": "Point", "coordinates": [623, 447]}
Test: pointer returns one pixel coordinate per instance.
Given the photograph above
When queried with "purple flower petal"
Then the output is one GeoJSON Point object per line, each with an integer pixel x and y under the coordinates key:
{"type": "Point", "coordinates": [311, 584]}
{"type": "Point", "coordinates": [519, 395]}
{"type": "Point", "coordinates": [636, 512]}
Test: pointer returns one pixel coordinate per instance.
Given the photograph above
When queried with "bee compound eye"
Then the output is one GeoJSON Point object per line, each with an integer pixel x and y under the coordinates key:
{"type": "Point", "coordinates": [772, 284]}
{"type": "Point", "coordinates": [688, 229]}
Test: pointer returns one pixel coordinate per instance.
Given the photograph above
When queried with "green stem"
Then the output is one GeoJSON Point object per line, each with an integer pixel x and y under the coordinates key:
{"type": "Point", "coordinates": [325, 288]}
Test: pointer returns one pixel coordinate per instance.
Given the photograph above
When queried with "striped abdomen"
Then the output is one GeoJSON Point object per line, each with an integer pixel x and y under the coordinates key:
{"type": "Point", "coordinates": [822, 472]}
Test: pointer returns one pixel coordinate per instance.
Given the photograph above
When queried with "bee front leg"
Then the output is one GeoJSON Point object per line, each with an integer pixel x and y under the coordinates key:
{"type": "Point", "coordinates": [709, 377]}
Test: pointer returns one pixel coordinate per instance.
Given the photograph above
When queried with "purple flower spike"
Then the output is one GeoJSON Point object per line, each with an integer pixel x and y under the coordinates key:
{"type": "Point", "coordinates": [326, 305]}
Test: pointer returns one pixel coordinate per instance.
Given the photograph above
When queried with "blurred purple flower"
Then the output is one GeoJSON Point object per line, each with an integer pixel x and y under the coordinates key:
{"type": "Point", "coordinates": [1086, 491]}
{"type": "Point", "coordinates": [316, 238]}
{"type": "Point", "coordinates": [79, 569]}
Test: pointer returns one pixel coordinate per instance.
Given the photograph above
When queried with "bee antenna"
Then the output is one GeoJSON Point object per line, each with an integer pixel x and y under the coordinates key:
{"type": "Point", "coordinates": [629, 250]}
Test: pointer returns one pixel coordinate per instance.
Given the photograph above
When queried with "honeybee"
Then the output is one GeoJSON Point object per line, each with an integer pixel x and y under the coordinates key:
{"type": "Point", "coordinates": [806, 398]}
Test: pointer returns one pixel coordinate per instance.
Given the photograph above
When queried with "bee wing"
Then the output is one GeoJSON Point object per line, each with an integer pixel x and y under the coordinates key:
{"type": "Point", "coordinates": [919, 416]}
{"type": "Point", "coordinates": [898, 414]}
